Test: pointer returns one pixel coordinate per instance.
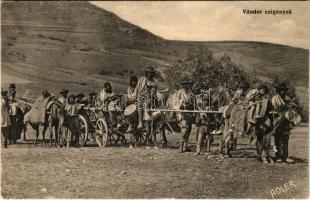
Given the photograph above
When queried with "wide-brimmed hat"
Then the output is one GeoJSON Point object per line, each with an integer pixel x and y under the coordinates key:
{"type": "Point", "coordinates": [187, 83]}
{"type": "Point", "coordinates": [282, 86]}
{"type": "Point", "coordinates": [64, 91]}
{"type": "Point", "coordinates": [150, 69]}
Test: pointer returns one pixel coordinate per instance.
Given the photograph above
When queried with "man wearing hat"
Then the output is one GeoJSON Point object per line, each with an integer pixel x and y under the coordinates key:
{"type": "Point", "coordinates": [5, 118]}
{"type": "Point", "coordinates": [63, 100]}
{"type": "Point", "coordinates": [280, 102]}
{"type": "Point", "coordinates": [186, 102]}
{"type": "Point", "coordinates": [13, 114]}
{"type": "Point", "coordinates": [145, 92]}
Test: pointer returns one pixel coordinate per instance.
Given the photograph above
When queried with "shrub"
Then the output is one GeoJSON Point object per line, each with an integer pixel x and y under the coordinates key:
{"type": "Point", "coordinates": [208, 72]}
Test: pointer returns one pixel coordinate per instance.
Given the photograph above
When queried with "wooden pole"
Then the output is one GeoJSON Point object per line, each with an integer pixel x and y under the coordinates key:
{"type": "Point", "coordinates": [186, 111]}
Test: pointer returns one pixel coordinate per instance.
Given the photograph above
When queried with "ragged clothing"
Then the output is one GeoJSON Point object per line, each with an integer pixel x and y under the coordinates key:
{"type": "Point", "coordinates": [280, 104]}
{"type": "Point", "coordinates": [145, 87]}
{"type": "Point", "coordinates": [37, 114]}
{"type": "Point", "coordinates": [72, 109]}
{"type": "Point", "coordinates": [252, 95]}
{"type": "Point", "coordinates": [130, 94]}
{"type": "Point", "coordinates": [110, 100]}
{"type": "Point", "coordinates": [13, 108]}
{"type": "Point", "coordinates": [5, 118]}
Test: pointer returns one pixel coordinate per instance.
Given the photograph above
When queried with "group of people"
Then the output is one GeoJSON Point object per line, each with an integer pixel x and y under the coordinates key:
{"type": "Point", "coordinates": [263, 116]}
{"type": "Point", "coordinates": [9, 115]}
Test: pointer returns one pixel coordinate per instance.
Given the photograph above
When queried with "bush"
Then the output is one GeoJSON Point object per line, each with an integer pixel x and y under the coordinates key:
{"type": "Point", "coordinates": [208, 72]}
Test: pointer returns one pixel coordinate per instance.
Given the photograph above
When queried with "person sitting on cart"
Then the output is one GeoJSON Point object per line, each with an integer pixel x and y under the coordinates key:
{"type": "Point", "coordinates": [131, 89]}
{"type": "Point", "coordinates": [145, 92]}
{"type": "Point", "coordinates": [110, 101]}
{"type": "Point", "coordinates": [71, 113]}
{"type": "Point", "coordinates": [131, 98]}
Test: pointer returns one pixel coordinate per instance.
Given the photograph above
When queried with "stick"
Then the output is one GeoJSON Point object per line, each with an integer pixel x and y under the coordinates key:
{"type": "Point", "coordinates": [186, 111]}
{"type": "Point", "coordinates": [25, 102]}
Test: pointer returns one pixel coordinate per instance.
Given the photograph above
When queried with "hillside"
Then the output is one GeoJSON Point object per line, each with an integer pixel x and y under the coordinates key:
{"type": "Point", "coordinates": [79, 46]}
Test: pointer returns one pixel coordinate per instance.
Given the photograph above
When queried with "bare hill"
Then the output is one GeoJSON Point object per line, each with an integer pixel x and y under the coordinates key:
{"type": "Point", "coordinates": [79, 46]}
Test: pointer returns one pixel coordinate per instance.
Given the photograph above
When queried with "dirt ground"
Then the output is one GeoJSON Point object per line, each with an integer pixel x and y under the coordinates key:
{"type": "Point", "coordinates": [30, 171]}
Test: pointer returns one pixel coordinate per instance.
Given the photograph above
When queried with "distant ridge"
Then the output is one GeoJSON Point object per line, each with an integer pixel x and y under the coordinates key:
{"type": "Point", "coordinates": [80, 45]}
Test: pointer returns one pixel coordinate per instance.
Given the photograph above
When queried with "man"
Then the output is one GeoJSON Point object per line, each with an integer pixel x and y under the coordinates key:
{"type": "Point", "coordinates": [63, 101]}
{"type": "Point", "coordinates": [234, 118]}
{"type": "Point", "coordinates": [13, 115]}
{"type": "Point", "coordinates": [145, 92]}
{"type": "Point", "coordinates": [71, 111]}
{"type": "Point", "coordinates": [5, 118]}
{"type": "Point", "coordinates": [252, 99]}
{"type": "Point", "coordinates": [186, 102]}
{"type": "Point", "coordinates": [109, 100]}
{"type": "Point", "coordinates": [281, 103]}
{"type": "Point", "coordinates": [263, 124]}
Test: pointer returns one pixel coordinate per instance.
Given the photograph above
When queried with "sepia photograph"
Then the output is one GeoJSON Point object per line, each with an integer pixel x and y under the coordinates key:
{"type": "Point", "coordinates": [154, 99]}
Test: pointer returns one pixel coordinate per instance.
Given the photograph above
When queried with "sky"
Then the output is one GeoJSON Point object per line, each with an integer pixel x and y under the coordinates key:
{"type": "Point", "coordinates": [217, 20]}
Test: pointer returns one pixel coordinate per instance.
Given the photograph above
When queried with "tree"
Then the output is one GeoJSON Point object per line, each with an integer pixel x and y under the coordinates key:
{"type": "Point", "coordinates": [207, 71]}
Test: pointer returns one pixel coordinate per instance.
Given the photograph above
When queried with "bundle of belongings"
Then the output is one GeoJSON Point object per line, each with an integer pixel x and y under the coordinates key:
{"type": "Point", "coordinates": [37, 113]}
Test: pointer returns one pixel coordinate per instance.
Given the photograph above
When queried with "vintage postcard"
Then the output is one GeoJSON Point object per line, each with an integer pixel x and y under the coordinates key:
{"type": "Point", "coordinates": [154, 99]}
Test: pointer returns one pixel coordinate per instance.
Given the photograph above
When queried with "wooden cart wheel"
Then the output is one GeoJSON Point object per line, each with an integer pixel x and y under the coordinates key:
{"type": "Point", "coordinates": [83, 130]}
{"type": "Point", "coordinates": [101, 132]}
{"type": "Point", "coordinates": [141, 136]}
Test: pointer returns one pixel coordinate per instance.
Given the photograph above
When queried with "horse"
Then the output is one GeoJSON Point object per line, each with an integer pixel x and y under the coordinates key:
{"type": "Point", "coordinates": [51, 121]}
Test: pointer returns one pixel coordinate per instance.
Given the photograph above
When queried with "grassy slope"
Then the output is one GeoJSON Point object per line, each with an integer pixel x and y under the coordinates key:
{"type": "Point", "coordinates": [53, 44]}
